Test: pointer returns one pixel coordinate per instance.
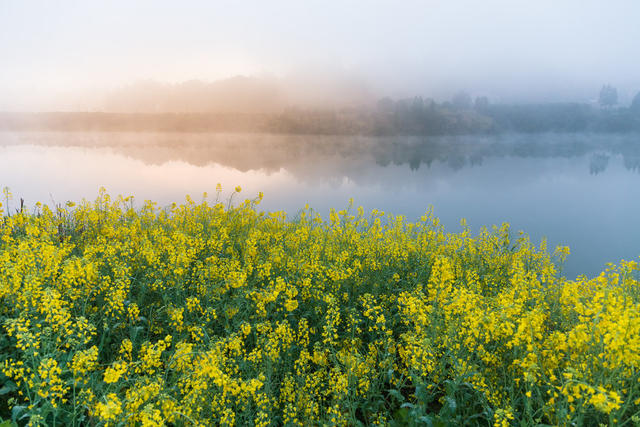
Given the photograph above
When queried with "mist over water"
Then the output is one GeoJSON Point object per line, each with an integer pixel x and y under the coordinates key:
{"type": "Point", "coordinates": [579, 190]}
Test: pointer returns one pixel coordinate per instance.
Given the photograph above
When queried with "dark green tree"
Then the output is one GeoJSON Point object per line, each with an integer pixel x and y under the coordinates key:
{"type": "Point", "coordinates": [608, 96]}
{"type": "Point", "coordinates": [461, 100]}
{"type": "Point", "coordinates": [481, 103]}
{"type": "Point", "coordinates": [635, 104]}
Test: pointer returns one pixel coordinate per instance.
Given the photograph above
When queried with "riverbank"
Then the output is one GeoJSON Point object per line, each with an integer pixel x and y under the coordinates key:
{"type": "Point", "coordinates": [212, 314]}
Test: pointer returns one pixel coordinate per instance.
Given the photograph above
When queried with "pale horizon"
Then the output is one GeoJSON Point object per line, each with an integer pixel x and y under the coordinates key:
{"type": "Point", "coordinates": [57, 55]}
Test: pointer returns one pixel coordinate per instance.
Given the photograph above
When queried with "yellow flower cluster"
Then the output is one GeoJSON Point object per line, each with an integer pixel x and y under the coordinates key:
{"type": "Point", "coordinates": [210, 314]}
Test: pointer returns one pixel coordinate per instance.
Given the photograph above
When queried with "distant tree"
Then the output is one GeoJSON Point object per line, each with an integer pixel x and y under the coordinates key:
{"type": "Point", "coordinates": [608, 96]}
{"type": "Point", "coordinates": [461, 100]}
{"type": "Point", "coordinates": [635, 104]}
{"type": "Point", "coordinates": [417, 106]}
{"type": "Point", "coordinates": [429, 103]}
{"type": "Point", "coordinates": [385, 104]}
{"type": "Point", "coordinates": [402, 106]}
{"type": "Point", "coordinates": [481, 103]}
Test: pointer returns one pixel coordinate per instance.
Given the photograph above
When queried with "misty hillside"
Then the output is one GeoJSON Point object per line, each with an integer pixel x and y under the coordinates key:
{"type": "Point", "coordinates": [239, 94]}
{"type": "Point", "coordinates": [234, 94]}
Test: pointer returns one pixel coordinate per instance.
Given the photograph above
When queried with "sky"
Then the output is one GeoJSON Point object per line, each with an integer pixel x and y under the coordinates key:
{"type": "Point", "coordinates": [511, 51]}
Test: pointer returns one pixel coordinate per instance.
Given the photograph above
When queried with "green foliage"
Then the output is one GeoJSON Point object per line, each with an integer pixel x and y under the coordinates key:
{"type": "Point", "coordinates": [210, 314]}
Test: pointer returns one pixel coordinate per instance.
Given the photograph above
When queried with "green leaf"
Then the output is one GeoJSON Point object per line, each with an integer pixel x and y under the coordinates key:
{"type": "Point", "coordinates": [451, 402]}
{"type": "Point", "coordinates": [16, 410]}
{"type": "Point", "coordinates": [395, 393]}
{"type": "Point", "coordinates": [8, 387]}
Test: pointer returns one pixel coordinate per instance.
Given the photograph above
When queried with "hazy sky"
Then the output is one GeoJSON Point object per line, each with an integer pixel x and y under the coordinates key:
{"type": "Point", "coordinates": [543, 50]}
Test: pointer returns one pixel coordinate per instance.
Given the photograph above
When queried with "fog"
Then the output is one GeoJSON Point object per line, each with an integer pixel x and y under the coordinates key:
{"type": "Point", "coordinates": [81, 55]}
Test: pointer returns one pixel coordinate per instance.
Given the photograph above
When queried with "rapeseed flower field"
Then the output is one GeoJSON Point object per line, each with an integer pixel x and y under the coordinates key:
{"type": "Point", "coordinates": [218, 314]}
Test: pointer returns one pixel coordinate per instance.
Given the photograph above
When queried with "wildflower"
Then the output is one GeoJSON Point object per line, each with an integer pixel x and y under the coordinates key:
{"type": "Point", "coordinates": [110, 409]}
{"type": "Point", "coordinates": [291, 304]}
{"type": "Point", "coordinates": [84, 361]}
{"type": "Point", "coordinates": [246, 329]}
{"type": "Point", "coordinates": [113, 373]}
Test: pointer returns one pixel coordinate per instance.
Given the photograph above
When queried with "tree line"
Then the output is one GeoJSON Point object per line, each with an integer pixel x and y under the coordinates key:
{"type": "Point", "coordinates": [411, 116]}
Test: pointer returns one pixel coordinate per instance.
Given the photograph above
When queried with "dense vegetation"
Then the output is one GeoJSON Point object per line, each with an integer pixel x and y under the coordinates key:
{"type": "Point", "coordinates": [207, 314]}
{"type": "Point", "coordinates": [413, 116]}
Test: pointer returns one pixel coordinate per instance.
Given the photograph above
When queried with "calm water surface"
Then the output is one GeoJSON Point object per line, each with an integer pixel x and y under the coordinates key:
{"type": "Point", "coordinates": [577, 190]}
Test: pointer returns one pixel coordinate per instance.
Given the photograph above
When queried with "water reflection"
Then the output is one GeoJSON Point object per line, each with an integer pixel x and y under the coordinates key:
{"type": "Point", "coordinates": [297, 153]}
{"type": "Point", "coordinates": [580, 190]}
{"type": "Point", "coordinates": [599, 163]}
